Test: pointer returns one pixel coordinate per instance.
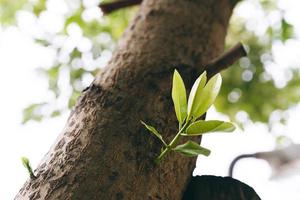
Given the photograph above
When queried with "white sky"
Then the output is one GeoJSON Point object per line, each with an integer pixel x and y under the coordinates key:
{"type": "Point", "coordinates": [21, 86]}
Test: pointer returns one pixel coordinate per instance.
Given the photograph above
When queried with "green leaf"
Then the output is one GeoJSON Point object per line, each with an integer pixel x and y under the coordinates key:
{"type": "Point", "coordinates": [286, 30]}
{"type": "Point", "coordinates": [200, 127]}
{"type": "Point", "coordinates": [39, 6]}
{"type": "Point", "coordinates": [179, 97]}
{"type": "Point", "coordinates": [155, 132]}
{"type": "Point", "coordinates": [33, 112]}
{"type": "Point", "coordinates": [191, 149]}
{"type": "Point", "coordinates": [25, 162]}
{"type": "Point", "coordinates": [207, 96]}
{"type": "Point", "coordinates": [195, 95]}
{"type": "Point", "coordinates": [55, 113]}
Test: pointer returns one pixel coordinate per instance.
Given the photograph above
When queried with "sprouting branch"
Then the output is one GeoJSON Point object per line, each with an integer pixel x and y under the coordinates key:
{"type": "Point", "coordinates": [225, 60]}
{"type": "Point", "coordinates": [26, 164]}
{"type": "Point", "coordinates": [110, 7]}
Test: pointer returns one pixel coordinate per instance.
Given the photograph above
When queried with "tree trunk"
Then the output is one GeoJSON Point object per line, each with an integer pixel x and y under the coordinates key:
{"type": "Point", "coordinates": [104, 152]}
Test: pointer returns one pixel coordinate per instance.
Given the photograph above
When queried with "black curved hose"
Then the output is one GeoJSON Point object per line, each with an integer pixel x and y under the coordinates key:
{"type": "Point", "coordinates": [230, 172]}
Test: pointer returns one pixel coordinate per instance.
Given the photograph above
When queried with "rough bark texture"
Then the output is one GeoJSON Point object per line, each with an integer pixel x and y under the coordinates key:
{"type": "Point", "coordinates": [104, 152]}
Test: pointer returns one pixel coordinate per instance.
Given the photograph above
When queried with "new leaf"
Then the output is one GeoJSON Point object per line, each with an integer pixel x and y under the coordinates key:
{"type": "Point", "coordinates": [209, 94]}
{"type": "Point", "coordinates": [26, 163]}
{"type": "Point", "coordinates": [200, 127]}
{"type": "Point", "coordinates": [195, 95]}
{"type": "Point", "coordinates": [191, 149]}
{"type": "Point", "coordinates": [179, 97]}
{"type": "Point", "coordinates": [155, 132]}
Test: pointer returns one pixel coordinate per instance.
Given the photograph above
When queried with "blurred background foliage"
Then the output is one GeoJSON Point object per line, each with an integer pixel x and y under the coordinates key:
{"type": "Point", "coordinates": [266, 83]}
{"type": "Point", "coordinates": [82, 40]}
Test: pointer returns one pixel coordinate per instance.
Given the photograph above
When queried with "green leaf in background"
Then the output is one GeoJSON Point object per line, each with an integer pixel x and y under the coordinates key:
{"type": "Point", "coordinates": [200, 127]}
{"type": "Point", "coordinates": [195, 95]}
{"type": "Point", "coordinates": [8, 10]}
{"type": "Point", "coordinates": [55, 113]}
{"type": "Point", "coordinates": [53, 75]}
{"type": "Point", "coordinates": [191, 149]}
{"type": "Point", "coordinates": [39, 6]}
{"type": "Point", "coordinates": [155, 132]}
{"type": "Point", "coordinates": [179, 97]}
{"type": "Point", "coordinates": [33, 112]}
{"type": "Point", "coordinates": [73, 98]}
{"type": "Point", "coordinates": [287, 30]}
{"type": "Point", "coordinates": [208, 96]}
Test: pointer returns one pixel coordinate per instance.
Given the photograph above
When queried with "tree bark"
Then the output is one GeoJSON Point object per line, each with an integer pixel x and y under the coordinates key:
{"type": "Point", "coordinates": [104, 152]}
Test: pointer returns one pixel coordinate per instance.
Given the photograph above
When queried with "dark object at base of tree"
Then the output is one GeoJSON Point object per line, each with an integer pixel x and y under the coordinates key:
{"type": "Point", "coordinates": [218, 188]}
{"type": "Point", "coordinates": [110, 7]}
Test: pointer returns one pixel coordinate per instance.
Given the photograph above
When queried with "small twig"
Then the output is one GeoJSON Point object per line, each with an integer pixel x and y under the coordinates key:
{"type": "Point", "coordinates": [225, 60]}
{"type": "Point", "coordinates": [110, 7]}
{"type": "Point", "coordinates": [26, 164]}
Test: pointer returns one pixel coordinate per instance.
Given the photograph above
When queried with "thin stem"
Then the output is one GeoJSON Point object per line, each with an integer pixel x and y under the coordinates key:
{"type": "Point", "coordinates": [172, 144]}
{"type": "Point", "coordinates": [31, 174]}
{"type": "Point", "coordinates": [164, 143]}
{"type": "Point", "coordinates": [179, 126]}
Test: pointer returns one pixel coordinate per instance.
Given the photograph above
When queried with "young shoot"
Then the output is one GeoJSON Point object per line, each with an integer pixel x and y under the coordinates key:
{"type": "Point", "coordinates": [26, 164]}
{"type": "Point", "coordinates": [203, 94]}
